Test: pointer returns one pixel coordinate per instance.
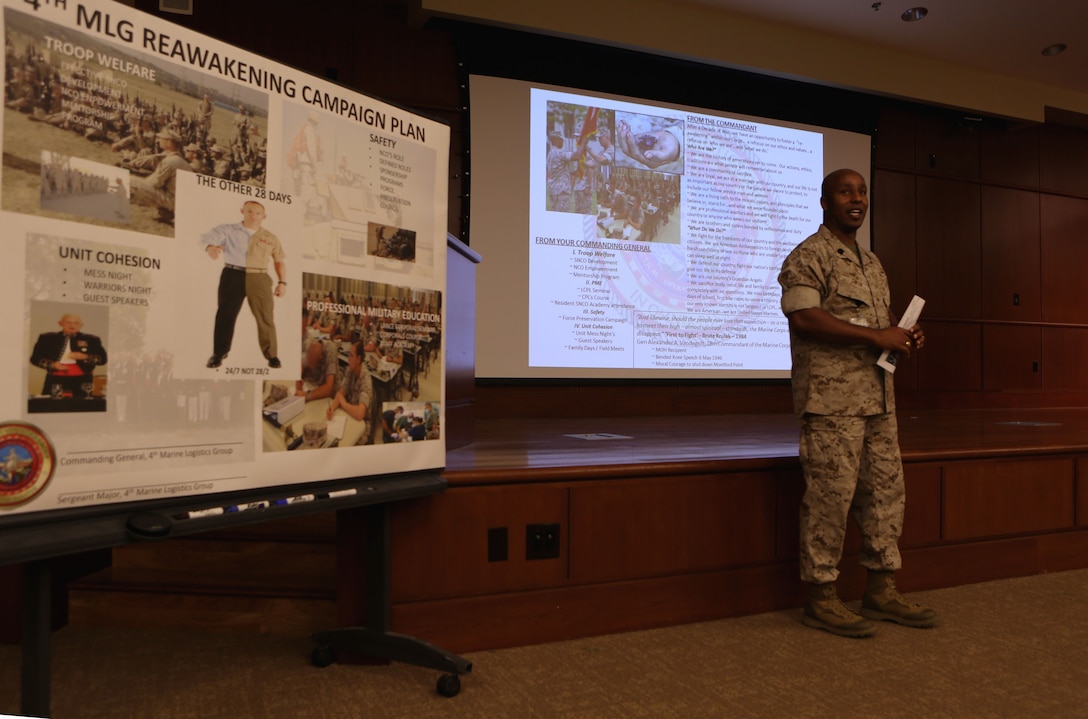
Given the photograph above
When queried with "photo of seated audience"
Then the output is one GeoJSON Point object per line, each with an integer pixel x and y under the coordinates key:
{"type": "Point", "coordinates": [639, 205]}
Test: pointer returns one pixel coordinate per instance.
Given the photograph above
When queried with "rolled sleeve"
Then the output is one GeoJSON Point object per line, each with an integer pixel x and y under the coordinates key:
{"type": "Point", "coordinates": [799, 297]}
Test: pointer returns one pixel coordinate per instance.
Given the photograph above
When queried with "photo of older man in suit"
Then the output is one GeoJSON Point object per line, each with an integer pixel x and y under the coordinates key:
{"type": "Point", "coordinates": [69, 358]}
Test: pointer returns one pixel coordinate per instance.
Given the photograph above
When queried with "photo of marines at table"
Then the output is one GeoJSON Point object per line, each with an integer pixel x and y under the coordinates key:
{"type": "Point", "coordinates": [336, 397]}
{"type": "Point", "coordinates": [365, 347]}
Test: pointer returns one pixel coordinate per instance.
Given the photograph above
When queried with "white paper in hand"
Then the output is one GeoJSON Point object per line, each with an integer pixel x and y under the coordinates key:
{"type": "Point", "coordinates": [888, 358]}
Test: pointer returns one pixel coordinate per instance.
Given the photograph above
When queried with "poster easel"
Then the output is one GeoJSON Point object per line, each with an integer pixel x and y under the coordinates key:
{"type": "Point", "coordinates": [35, 543]}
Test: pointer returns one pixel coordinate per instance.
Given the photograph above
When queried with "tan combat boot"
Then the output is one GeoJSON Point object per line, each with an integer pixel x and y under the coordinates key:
{"type": "Point", "coordinates": [826, 611]}
{"type": "Point", "coordinates": [883, 601]}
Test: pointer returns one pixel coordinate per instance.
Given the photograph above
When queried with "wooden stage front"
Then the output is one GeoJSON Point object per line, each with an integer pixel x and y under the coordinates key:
{"type": "Point", "coordinates": [665, 520]}
{"type": "Point", "coordinates": [678, 519]}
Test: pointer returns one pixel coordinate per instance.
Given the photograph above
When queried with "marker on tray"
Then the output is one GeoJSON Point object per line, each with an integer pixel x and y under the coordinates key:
{"type": "Point", "coordinates": [246, 507]}
{"type": "Point", "coordinates": [197, 513]}
{"type": "Point", "coordinates": [293, 500]}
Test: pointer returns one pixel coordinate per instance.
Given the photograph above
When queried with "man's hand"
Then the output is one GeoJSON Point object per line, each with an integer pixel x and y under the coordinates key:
{"type": "Point", "coordinates": [214, 251]}
{"type": "Point", "coordinates": [895, 339]}
{"type": "Point", "coordinates": [281, 289]}
{"type": "Point", "coordinates": [917, 337]}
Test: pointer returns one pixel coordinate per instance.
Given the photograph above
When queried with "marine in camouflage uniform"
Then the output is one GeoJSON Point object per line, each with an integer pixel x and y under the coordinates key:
{"type": "Point", "coordinates": [559, 177]}
{"type": "Point", "coordinates": [835, 294]}
{"type": "Point", "coordinates": [159, 189]}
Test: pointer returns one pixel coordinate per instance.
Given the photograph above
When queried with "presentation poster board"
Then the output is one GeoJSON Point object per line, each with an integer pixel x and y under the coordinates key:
{"type": "Point", "coordinates": [221, 274]}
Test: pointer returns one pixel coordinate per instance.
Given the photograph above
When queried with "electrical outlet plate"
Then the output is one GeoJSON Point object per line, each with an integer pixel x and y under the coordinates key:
{"type": "Point", "coordinates": [542, 541]}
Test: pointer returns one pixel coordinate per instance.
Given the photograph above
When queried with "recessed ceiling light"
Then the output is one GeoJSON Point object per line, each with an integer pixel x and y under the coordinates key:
{"type": "Point", "coordinates": [914, 14]}
{"type": "Point", "coordinates": [1056, 49]}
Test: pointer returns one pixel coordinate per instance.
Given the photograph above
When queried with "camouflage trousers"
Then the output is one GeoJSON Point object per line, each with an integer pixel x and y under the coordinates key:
{"type": "Point", "coordinates": [143, 193]}
{"type": "Point", "coordinates": [852, 468]}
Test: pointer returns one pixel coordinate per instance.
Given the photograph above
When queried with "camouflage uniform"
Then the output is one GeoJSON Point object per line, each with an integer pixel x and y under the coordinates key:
{"type": "Point", "coordinates": [849, 446]}
{"type": "Point", "coordinates": [359, 389]}
{"type": "Point", "coordinates": [158, 189]}
{"type": "Point", "coordinates": [559, 182]}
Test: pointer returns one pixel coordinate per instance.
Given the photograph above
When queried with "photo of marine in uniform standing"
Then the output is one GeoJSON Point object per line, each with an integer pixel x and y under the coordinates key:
{"type": "Point", "coordinates": [246, 249]}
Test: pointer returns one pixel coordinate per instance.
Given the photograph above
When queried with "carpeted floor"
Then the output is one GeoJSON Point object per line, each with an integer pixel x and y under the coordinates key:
{"type": "Point", "coordinates": [1013, 648]}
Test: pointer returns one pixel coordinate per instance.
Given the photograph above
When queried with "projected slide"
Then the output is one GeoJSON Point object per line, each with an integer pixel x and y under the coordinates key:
{"type": "Point", "coordinates": [657, 237]}
{"type": "Point", "coordinates": [653, 237]}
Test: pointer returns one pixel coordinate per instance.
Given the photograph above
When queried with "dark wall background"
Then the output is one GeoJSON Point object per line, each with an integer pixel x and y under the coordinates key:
{"type": "Point", "coordinates": [986, 219]}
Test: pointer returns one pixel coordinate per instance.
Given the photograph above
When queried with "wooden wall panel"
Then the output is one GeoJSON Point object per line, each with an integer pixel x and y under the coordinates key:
{"type": "Point", "coordinates": [1064, 254]}
{"type": "Point", "coordinates": [946, 144]}
{"type": "Point", "coordinates": [1063, 155]}
{"type": "Point", "coordinates": [952, 358]}
{"type": "Point", "coordinates": [1010, 255]}
{"type": "Point", "coordinates": [892, 216]}
{"type": "Point", "coordinates": [1082, 492]}
{"type": "Point", "coordinates": [1011, 357]}
{"type": "Point", "coordinates": [1009, 155]}
{"type": "Point", "coordinates": [895, 137]}
{"type": "Point", "coordinates": [986, 499]}
{"type": "Point", "coordinates": [922, 523]}
{"type": "Point", "coordinates": [11, 579]}
{"type": "Point", "coordinates": [949, 248]}
{"type": "Point", "coordinates": [1064, 352]}
{"type": "Point", "coordinates": [439, 544]}
{"type": "Point", "coordinates": [670, 525]}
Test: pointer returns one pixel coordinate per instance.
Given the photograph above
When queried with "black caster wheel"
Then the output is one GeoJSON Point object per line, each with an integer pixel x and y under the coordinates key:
{"type": "Point", "coordinates": [449, 685]}
{"type": "Point", "coordinates": [322, 656]}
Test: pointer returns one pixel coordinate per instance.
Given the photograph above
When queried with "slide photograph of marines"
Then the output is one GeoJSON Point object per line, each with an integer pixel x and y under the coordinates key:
{"type": "Point", "coordinates": [74, 186]}
{"type": "Point", "coordinates": [246, 249]}
{"type": "Point", "coordinates": [60, 97]}
{"type": "Point", "coordinates": [835, 295]}
{"type": "Point", "coordinates": [393, 243]}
